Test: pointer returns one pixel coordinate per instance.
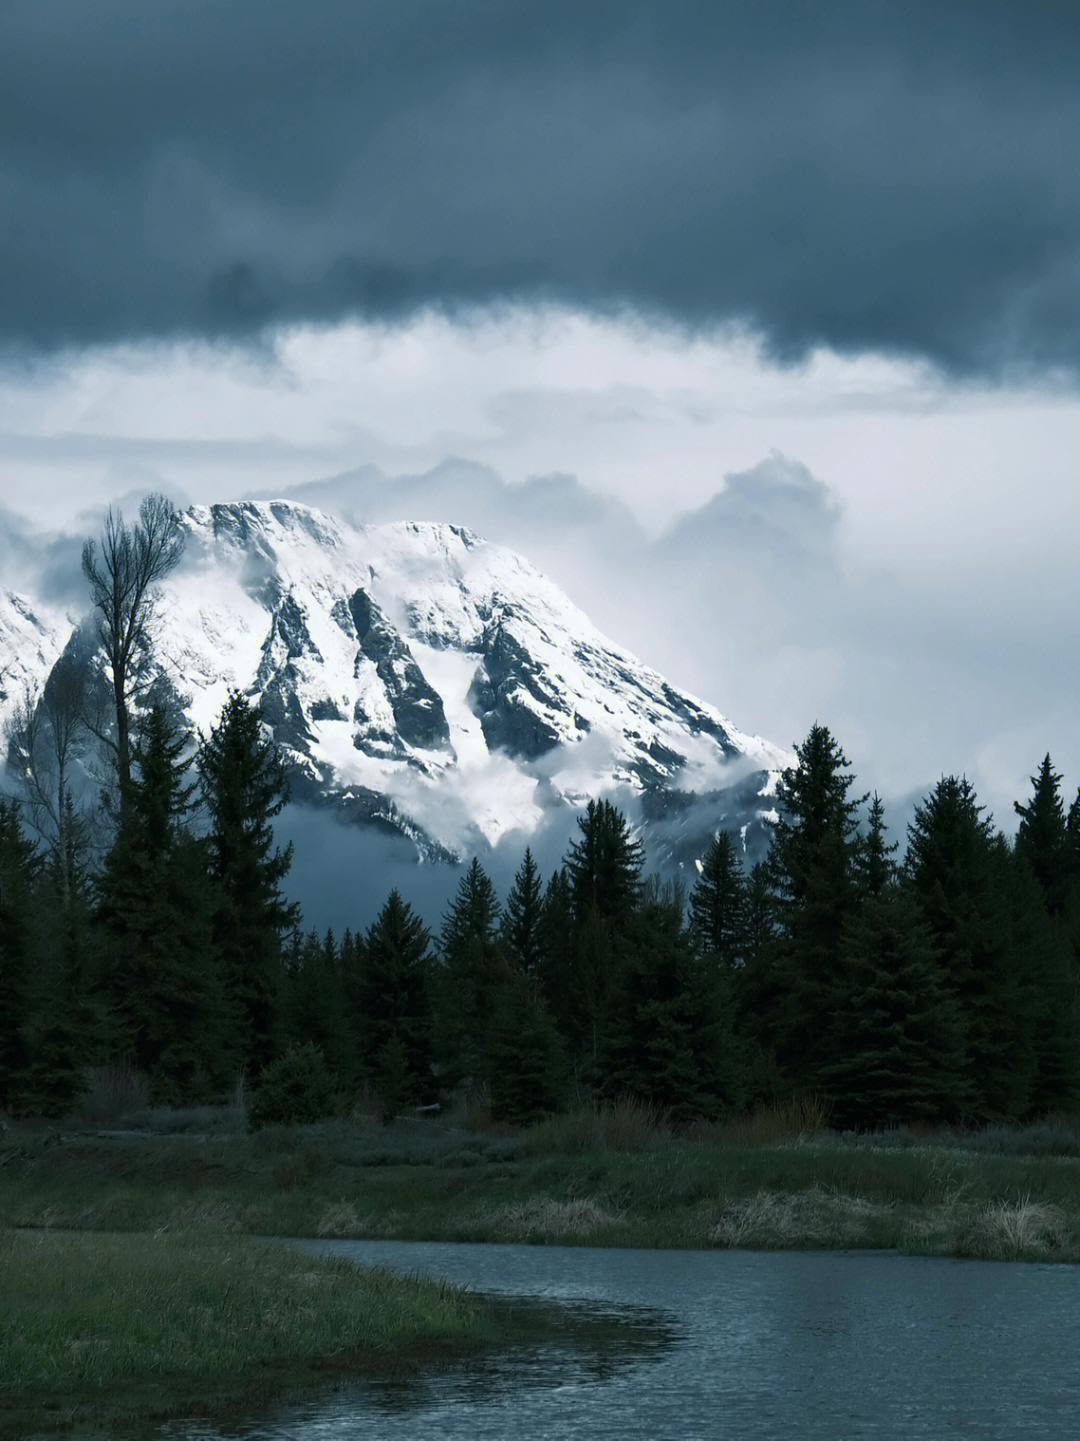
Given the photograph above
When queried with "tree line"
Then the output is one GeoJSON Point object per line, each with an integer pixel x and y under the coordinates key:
{"type": "Point", "coordinates": [937, 987]}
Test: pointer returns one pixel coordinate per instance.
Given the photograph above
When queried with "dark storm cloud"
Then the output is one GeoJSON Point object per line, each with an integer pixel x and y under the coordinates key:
{"type": "Point", "coordinates": [887, 175]}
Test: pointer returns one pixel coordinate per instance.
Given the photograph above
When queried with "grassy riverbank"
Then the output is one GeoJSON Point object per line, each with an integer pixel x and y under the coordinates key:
{"type": "Point", "coordinates": [153, 1323]}
{"type": "Point", "coordinates": [600, 1178]}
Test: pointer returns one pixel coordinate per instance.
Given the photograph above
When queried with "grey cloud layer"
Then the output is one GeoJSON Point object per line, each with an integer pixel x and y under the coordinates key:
{"type": "Point", "coordinates": [879, 175]}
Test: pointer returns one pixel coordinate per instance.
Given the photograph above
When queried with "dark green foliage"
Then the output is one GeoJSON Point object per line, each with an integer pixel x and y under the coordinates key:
{"type": "Point", "coordinates": [874, 865]}
{"type": "Point", "coordinates": [521, 931]}
{"type": "Point", "coordinates": [53, 1077]}
{"type": "Point", "coordinates": [604, 866]}
{"type": "Point", "coordinates": [556, 963]}
{"type": "Point", "coordinates": [312, 998]}
{"type": "Point", "coordinates": [157, 979]}
{"type": "Point", "coordinates": [962, 874]}
{"type": "Point", "coordinates": [604, 872]}
{"type": "Point", "coordinates": [1042, 840]}
{"type": "Point", "coordinates": [393, 1025]}
{"type": "Point", "coordinates": [528, 1072]}
{"type": "Point", "coordinates": [18, 874]}
{"type": "Point", "coordinates": [812, 873]}
{"type": "Point", "coordinates": [471, 970]}
{"type": "Point", "coordinates": [293, 1090]}
{"type": "Point", "coordinates": [1042, 960]}
{"type": "Point", "coordinates": [896, 1029]}
{"type": "Point", "coordinates": [665, 1041]}
{"type": "Point", "coordinates": [394, 1082]}
{"type": "Point", "coordinates": [244, 788]}
{"type": "Point", "coordinates": [718, 904]}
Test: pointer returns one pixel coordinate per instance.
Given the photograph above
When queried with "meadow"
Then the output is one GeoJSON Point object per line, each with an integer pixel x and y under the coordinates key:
{"type": "Point", "coordinates": [612, 1176]}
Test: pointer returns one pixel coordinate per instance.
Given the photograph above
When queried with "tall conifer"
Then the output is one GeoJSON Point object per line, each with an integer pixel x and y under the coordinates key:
{"type": "Point", "coordinates": [244, 788]}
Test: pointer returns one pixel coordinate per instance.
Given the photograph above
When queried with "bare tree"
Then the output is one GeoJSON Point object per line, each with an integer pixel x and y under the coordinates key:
{"type": "Point", "coordinates": [132, 561]}
{"type": "Point", "coordinates": [45, 741]}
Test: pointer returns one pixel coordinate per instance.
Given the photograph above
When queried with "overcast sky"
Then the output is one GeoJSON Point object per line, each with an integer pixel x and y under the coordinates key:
{"type": "Point", "coordinates": [757, 325]}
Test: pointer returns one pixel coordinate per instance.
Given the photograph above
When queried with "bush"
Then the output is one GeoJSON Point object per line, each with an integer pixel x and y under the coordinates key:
{"type": "Point", "coordinates": [297, 1088]}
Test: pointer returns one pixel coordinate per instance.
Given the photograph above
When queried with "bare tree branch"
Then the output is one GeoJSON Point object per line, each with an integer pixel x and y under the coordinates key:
{"type": "Point", "coordinates": [132, 560]}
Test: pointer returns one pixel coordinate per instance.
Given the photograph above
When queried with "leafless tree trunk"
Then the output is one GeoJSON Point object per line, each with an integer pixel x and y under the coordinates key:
{"type": "Point", "coordinates": [132, 560]}
{"type": "Point", "coordinates": [45, 740]}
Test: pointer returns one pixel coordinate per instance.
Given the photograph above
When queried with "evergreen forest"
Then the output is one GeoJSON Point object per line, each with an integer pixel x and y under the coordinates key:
{"type": "Point", "coordinates": [149, 929]}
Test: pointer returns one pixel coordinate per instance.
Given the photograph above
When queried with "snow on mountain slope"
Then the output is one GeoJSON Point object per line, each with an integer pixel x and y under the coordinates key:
{"type": "Point", "coordinates": [425, 681]}
{"type": "Point", "coordinates": [30, 644]}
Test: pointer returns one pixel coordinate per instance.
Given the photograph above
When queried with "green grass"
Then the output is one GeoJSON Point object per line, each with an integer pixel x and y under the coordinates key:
{"type": "Point", "coordinates": [172, 1316]}
{"type": "Point", "coordinates": [620, 1178]}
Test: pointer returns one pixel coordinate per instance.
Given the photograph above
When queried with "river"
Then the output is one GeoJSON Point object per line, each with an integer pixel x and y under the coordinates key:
{"type": "Point", "coordinates": [722, 1344]}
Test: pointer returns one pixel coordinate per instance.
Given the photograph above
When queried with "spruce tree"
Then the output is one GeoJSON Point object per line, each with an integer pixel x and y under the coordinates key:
{"type": "Point", "coordinates": [528, 1074]}
{"type": "Point", "coordinates": [604, 869]}
{"type": "Point", "coordinates": [522, 922]}
{"type": "Point", "coordinates": [874, 865]}
{"type": "Point", "coordinates": [665, 1041]}
{"type": "Point", "coordinates": [718, 904]}
{"type": "Point", "coordinates": [897, 1038]}
{"type": "Point", "coordinates": [1042, 839]}
{"type": "Point", "coordinates": [961, 872]}
{"type": "Point", "coordinates": [158, 977]}
{"type": "Point", "coordinates": [1047, 983]}
{"type": "Point", "coordinates": [812, 870]}
{"type": "Point", "coordinates": [556, 961]}
{"type": "Point", "coordinates": [394, 1016]}
{"type": "Point", "coordinates": [18, 876]}
{"type": "Point", "coordinates": [471, 970]}
{"type": "Point", "coordinates": [244, 787]}
{"type": "Point", "coordinates": [604, 865]}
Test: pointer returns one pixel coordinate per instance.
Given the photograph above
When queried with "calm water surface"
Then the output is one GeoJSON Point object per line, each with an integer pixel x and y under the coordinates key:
{"type": "Point", "coordinates": [725, 1344]}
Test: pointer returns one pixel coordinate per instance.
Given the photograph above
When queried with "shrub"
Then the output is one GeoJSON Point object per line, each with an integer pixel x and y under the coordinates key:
{"type": "Point", "coordinates": [295, 1089]}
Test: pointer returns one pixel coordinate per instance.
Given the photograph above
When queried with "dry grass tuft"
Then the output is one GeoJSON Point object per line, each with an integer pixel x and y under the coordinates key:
{"type": "Point", "coordinates": [341, 1223]}
{"type": "Point", "coordinates": [772, 1219]}
{"type": "Point", "coordinates": [543, 1218]}
{"type": "Point", "coordinates": [1011, 1229]}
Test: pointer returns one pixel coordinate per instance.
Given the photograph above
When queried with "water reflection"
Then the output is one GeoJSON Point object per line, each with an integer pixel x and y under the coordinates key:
{"type": "Point", "coordinates": [655, 1345]}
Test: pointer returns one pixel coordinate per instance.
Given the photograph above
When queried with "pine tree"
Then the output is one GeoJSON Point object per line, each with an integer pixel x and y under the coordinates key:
{"type": "Point", "coordinates": [18, 875]}
{"type": "Point", "coordinates": [528, 1073]}
{"type": "Point", "coordinates": [1042, 960]}
{"type": "Point", "coordinates": [874, 865]}
{"type": "Point", "coordinates": [1042, 839]}
{"type": "Point", "coordinates": [158, 975]}
{"type": "Point", "coordinates": [244, 788]}
{"type": "Point", "coordinates": [665, 1041]}
{"type": "Point", "coordinates": [394, 1030]}
{"type": "Point", "coordinates": [897, 1037]}
{"type": "Point", "coordinates": [556, 963]}
{"type": "Point", "coordinates": [604, 871]}
{"type": "Point", "coordinates": [961, 871]}
{"type": "Point", "coordinates": [812, 871]}
{"type": "Point", "coordinates": [313, 999]}
{"type": "Point", "coordinates": [718, 904]}
{"type": "Point", "coordinates": [471, 970]}
{"type": "Point", "coordinates": [522, 921]}
{"type": "Point", "coordinates": [604, 865]}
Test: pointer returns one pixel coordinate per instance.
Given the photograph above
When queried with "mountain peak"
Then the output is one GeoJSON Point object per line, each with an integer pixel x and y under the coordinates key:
{"type": "Point", "coordinates": [424, 680]}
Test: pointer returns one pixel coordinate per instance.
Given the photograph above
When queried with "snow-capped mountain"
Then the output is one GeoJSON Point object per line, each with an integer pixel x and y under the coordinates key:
{"type": "Point", "coordinates": [30, 644]}
{"type": "Point", "coordinates": [421, 679]}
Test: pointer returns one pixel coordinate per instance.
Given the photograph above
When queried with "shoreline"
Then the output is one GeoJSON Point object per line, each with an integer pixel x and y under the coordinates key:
{"type": "Point", "coordinates": [146, 1326]}
{"type": "Point", "coordinates": [344, 1182]}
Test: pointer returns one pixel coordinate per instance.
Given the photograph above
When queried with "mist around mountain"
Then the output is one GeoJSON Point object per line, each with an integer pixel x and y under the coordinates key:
{"type": "Point", "coordinates": [433, 693]}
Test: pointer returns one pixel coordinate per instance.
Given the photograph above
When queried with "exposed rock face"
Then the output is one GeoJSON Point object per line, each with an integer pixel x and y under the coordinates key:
{"type": "Point", "coordinates": [418, 709]}
{"type": "Point", "coordinates": [425, 682]}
